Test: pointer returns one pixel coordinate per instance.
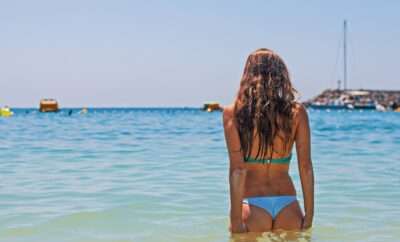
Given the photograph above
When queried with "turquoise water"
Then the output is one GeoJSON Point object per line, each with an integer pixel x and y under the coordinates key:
{"type": "Point", "coordinates": [161, 175]}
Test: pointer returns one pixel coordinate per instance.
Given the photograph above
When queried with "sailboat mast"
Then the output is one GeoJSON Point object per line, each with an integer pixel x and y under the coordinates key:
{"type": "Point", "coordinates": [345, 55]}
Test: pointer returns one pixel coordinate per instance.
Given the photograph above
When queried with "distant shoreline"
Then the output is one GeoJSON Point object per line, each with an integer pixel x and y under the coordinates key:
{"type": "Point", "coordinates": [356, 99]}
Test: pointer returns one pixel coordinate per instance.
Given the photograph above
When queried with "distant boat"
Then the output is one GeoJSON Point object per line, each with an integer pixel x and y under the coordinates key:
{"type": "Point", "coordinates": [343, 98]}
{"type": "Point", "coordinates": [211, 106]}
{"type": "Point", "coordinates": [5, 112]}
{"type": "Point", "coordinates": [365, 106]}
{"type": "Point", "coordinates": [83, 111]}
{"type": "Point", "coordinates": [380, 107]}
{"type": "Point", "coordinates": [329, 106]}
{"type": "Point", "coordinates": [48, 105]}
{"type": "Point", "coordinates": [346, 101]}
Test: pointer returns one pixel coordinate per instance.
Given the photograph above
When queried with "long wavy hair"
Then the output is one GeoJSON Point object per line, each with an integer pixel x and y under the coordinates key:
{"type": "Point", "coordinates": [264, 103]}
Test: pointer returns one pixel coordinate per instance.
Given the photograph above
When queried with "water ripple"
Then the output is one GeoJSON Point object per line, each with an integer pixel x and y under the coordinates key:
{"type": "Point", "coordinates": [161, 175]}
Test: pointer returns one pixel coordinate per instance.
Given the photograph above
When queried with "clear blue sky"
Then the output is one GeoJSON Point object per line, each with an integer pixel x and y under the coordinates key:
{"type": "Point", "coordinates": [181, 53]}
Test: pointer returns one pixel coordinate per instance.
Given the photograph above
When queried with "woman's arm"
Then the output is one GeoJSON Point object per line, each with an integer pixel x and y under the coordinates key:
{"type": "Point", "coordinates": [303, 148]}
{"type": "Point", "coordinates": [237, 172]}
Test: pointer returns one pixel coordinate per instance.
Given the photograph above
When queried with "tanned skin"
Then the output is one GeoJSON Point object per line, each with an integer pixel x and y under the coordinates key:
{"type": "Point", "coordinates": [248, 180]}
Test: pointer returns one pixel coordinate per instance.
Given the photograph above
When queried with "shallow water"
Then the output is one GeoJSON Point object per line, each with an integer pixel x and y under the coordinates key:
{"type": "Point", "coordinates": [161, 175]}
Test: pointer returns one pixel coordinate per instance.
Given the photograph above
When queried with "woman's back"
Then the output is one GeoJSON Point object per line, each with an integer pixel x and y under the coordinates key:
{"type": "Point", "coordinates": [264, 176]}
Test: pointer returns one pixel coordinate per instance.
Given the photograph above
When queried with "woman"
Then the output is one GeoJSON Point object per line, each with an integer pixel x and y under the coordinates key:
{"type": "Point", "coordinates": [260, 129]}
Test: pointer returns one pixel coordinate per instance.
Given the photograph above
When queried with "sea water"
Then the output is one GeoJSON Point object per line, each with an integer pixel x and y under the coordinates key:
{"type": "Point", "coordinates": [160, 174]}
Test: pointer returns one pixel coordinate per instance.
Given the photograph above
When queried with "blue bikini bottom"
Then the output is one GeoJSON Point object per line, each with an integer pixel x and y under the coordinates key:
{"type": "Point", "coordinates": [271, 204]}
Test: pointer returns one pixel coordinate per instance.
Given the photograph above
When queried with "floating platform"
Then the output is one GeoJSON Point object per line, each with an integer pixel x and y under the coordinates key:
{"type": "Point", "coordinates": [212, 106]}
{"type": "Point", "coordinates": [48, 105]}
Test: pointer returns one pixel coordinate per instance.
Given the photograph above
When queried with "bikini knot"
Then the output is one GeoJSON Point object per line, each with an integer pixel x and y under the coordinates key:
{"type": "Point", "coordinates": [266, 161]}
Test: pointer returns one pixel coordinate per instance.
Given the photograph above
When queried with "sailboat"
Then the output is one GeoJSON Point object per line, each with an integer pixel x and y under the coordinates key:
{"type": "Point", "coordinates": [343, 98]}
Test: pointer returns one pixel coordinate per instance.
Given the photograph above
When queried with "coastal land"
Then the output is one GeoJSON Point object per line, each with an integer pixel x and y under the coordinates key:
{"type": "Point", "coordinates": [381, 100]}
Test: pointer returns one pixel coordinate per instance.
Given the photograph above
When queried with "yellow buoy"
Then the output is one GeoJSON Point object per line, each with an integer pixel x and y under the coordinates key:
{"type": "Point", "coordinates": [6, 112]}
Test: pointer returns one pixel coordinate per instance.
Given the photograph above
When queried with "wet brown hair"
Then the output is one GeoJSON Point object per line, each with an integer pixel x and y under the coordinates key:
{"type": "Point", "coordinates": [264, 103]}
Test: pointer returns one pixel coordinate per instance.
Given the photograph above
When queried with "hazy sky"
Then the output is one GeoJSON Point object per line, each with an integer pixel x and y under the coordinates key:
{"type": "Point", "coordinates": [182, 53]}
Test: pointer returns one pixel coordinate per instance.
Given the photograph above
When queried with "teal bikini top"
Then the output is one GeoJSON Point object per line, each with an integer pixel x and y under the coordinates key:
{"type": "Point", "coordinates": [284, 160]}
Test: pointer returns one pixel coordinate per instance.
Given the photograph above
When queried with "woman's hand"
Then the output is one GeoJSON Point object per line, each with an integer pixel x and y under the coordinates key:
{"type": "Point", "coordinates": [241, 228]}
{"type": "Point", "coordinates": [307, 222]}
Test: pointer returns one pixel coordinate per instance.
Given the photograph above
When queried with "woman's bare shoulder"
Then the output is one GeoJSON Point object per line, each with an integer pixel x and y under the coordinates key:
{"type": "Point", "coordinates": [228, 114]}
{"type": "Point", "coordinates": [299, 112]}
